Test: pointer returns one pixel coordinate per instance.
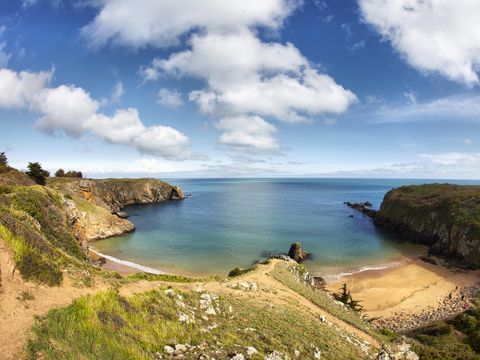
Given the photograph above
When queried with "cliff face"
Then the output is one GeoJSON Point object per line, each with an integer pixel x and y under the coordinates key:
{"type": "Point", "coordinates": [114, 194]}
{"type": "Point", "coordinates": [442, 216]}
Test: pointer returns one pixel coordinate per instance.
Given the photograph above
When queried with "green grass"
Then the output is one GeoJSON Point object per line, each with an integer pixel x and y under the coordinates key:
{"type": "Point", "coordinates": [289, 275]}
{"type": "Point", "coordinates": [34, 225]}
{"type": "Point", "coordinates": [170, 278]}
{"type": "Point", "coordinates": [440, 342]}
{"type": "Point", "coordinates": [108, 326]}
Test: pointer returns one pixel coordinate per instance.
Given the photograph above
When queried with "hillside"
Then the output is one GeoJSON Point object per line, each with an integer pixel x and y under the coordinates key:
{"type": "Point", "coordinates": [54, 304]}
{"type": "Point", "coordinates": [445, 217]}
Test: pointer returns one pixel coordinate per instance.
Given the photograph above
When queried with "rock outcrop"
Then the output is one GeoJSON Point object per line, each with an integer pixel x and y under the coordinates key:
{"type": "Point", "coordinates": [296, 252]}
{"type": "Point", "coordinates": [115, 194]}
{"type": "Point", "coordinates": [94, 206]}
{"type": "Point", "coordinates": [444, 217]}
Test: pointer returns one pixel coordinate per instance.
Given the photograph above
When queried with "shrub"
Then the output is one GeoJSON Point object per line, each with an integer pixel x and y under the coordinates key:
{"type": "Point", "coordinates": [37, 173]}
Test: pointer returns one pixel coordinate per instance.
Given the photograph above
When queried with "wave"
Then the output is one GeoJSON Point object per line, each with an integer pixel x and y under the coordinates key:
{"type": "Point", "coordinates": [335, 277]}
{"type": "Point", "coordinates": [131, 264]}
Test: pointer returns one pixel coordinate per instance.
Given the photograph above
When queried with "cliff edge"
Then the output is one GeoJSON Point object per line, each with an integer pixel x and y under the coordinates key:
{"type": "Point", "coordinates": [115, 194]}
{"type": "Point", "coordinates": [445, 217]}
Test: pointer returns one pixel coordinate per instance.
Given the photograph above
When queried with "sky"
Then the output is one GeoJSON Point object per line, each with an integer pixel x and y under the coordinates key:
{"type": "Point", "coordinates": [242, 88]}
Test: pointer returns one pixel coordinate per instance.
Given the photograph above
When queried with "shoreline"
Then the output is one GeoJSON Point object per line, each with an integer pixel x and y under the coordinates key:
{"type": "Point", "coordinates": [124, 267]}
{"type": "Point", "coordinates": [401, 295]}
{"type": "Point", "coordinates": [412, 294]}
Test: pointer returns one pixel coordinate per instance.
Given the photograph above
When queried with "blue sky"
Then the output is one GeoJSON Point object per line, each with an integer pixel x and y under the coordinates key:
{"type": "Point", "coordinates": [187, 88]}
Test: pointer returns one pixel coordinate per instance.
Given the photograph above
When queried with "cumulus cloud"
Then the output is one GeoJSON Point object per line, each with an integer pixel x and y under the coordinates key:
{"type": "Point", "coordinates": [71, 110]}
{"type": "Point", "coordinates": [247, 78]}
{"type": "Point", "coordinates": [162, 23]}
{"type": "Point", "coordinates": [169, 98]}
{"type": "Point", "coordinates": [440, 36]}
{"type": "Point", "coordinates": [248, 132]}
{"type": "Point", "coordinates": [17, 89]}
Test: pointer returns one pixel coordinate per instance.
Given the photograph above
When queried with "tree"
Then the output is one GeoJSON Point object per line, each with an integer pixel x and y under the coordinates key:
{"type": "Point", "coordinates": [74, 174]}
{"type": "Point", "coordinates": [60, 173]}
{"type": "Point", "coordinates": [38, 174]}
{"type": "Point", "coordinates": [346, 297]}
{"type": "Point", "coordinates": [3, 159]}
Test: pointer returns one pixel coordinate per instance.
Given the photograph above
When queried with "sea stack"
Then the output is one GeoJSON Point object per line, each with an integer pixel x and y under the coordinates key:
{"type": "Point", "coordinates": [296, 253]}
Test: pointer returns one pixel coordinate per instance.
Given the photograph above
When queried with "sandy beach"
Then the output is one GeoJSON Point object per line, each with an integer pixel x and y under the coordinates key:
{"type": "Point", "coordinates": [411, 293]}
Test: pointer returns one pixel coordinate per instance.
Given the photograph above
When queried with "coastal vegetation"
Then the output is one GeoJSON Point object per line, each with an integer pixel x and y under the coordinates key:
{"type": "Point", "coordinates": [70, 173]}
{"type": "Point", "coordinates": [273, 308]}
{"type": "Point", "coordinates": [445, 217]}
{"type": "Point", "coordinates": [37, 173]}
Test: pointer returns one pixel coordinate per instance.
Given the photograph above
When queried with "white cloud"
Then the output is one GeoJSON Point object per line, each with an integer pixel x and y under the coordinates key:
{"type": "Point", "coordinates": [467, 141]}
{"type": "Point", "coordinates": [465, 107]}
{"type": "Point", "coordinates": [248, 132]}
{"type": "Point", "coordinates": [65, 108]}
{"type": "Point", "coordinates": [245, 77]}
{"type": "Point", "coordinates": [118, 92]}
{"type": "Point", "coordinates": [440, 36]}
{"type": "Point", "coordinates": [17, 89]}
{"type": "Point", "coordinates": [248, 76]}
{"type": "Point", "coordinates": [162, 23]}
{"type": "Point", "coordinates": [71, 110]}
{"type": "Point", "coordinates": [169, 98]}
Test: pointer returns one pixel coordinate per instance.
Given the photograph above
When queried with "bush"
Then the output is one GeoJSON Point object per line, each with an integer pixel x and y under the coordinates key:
{"type": "Point", "coordinates": [37, 174]}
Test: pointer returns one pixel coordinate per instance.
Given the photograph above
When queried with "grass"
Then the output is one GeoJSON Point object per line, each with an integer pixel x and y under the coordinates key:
{"type": "Point", "coordinates": [457, 207]}
{"type": "Point", "coordinates": [170, 278]}
{"type": "Point", "coordinates": [34, 225]}
{"type": "Point", "coordinates": [440, 342]}
{"type": "Point", "coordinates": [290, 275]}
{"type": "Point", "coordinates": [107, 326]}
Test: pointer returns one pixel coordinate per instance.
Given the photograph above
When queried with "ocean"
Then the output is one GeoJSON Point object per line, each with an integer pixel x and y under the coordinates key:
{"type": "Point", "coordinates": [228, 223]}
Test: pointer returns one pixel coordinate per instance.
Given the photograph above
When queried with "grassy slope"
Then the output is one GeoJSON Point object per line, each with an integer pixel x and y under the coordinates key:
{"type": "Point", "coordinates": [289, 276]}
{"type": "Point", "coordinates": [107, 325]}
{"type": "Point", "coordinates": [33, 223]}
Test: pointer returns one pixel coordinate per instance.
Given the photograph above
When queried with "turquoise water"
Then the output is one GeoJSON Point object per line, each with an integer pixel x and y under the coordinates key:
{"type": "Point", "coordinates": [233, 222]}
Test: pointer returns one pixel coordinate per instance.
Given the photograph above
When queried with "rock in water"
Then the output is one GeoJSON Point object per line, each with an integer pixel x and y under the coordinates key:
{"type": "Point", "coordinates": [296, 253]}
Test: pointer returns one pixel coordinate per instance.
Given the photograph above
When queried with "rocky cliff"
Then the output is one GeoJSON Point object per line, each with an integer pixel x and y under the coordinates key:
{"type": "Point", "coordinates": [115, 194]}
{"type": "Point", "coordinates": [94, 206]}
{"type": "Point", "coordinates": [443, 216]}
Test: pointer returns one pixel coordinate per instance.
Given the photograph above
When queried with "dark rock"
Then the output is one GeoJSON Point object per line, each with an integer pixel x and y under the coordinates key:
{"type": "Point", "coordinates": [122, 214]}
{"type": "Point", "coordinates": [364, 208]}
{"type": "Point", "coordinates": [296, 253]}
{"type": "Point", "coordinates": [350, 215]}
{"type": "Point", "coordinates": [280, 257]}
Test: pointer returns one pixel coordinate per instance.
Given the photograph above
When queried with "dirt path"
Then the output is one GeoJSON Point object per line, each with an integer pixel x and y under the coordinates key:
{"type": "Point", "coordinates": [273, 292]}
{"type": "Point", "coordinates": [270, 291]}
{"type": "Point", "coordinates": [17, 314]}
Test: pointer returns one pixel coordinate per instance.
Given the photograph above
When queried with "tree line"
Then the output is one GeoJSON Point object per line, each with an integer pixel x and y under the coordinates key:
{"type": "Point", "coordinates": [37, 173]}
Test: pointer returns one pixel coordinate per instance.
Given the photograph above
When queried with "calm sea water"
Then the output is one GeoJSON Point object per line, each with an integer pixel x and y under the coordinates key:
{"type": "Point", "coordinates": [233, 222]}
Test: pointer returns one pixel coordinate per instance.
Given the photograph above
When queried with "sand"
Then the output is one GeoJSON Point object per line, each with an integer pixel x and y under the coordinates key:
{"type": "Point", "coordinates": [413, 289]}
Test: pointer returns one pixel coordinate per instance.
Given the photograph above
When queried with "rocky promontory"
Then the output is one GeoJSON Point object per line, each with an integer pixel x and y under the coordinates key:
{"type": "Point", "coordinates": [443, 216]}
{"type": "Point", "coordinates": [94, 206]}
{"type": "Point", "coordinates": [115, 194]}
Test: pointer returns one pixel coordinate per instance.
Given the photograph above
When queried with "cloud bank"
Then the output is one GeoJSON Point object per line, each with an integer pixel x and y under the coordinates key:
{"type": "Point", "coordinates": [71, 110]}
{"type": "Point", "coordinates": [248, 81]}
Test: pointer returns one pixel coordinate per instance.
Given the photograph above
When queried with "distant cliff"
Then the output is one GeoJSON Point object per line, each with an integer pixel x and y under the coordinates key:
{"type": "Point", "coordinates": [115, 194]}
{"type": "Point", "coordinates": [443, 216]}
